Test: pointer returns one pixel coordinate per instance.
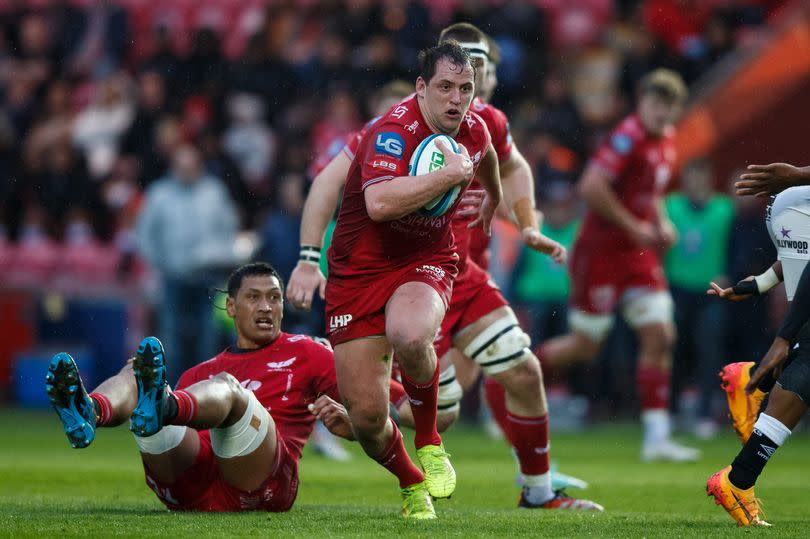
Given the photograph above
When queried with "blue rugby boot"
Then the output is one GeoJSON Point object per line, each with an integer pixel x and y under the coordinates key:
{"type": "Point", "coordinates": [150, 374]}
{"type": "Point", "coordinates": [70, 400]}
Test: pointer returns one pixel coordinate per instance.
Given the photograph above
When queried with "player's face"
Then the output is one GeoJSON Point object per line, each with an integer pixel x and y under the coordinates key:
{"type": "Point", "coordinates": [446, 97]}
{"type": "Point", "coordinates": [481, 67]}
{"type": "Point", "coordinates": [657, 112]}
{"type": "Point", "coordinates": [489, 84]}
{"type": "Point", "coordinates": [257, 310]}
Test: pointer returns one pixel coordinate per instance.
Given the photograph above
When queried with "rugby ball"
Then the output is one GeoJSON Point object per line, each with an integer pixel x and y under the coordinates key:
{"type": "Point", "coordinates": [425, 159]}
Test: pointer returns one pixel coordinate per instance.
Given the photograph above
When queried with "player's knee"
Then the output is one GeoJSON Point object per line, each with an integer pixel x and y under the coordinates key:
{"type": "Point", "coordinates": [657, 339]}
{"type": "Point", "coordinates": [368, 423]}
{"type": "Point", "coordinates": [238, 395]}
{"type": "Point", "coordinates": [523, 380]}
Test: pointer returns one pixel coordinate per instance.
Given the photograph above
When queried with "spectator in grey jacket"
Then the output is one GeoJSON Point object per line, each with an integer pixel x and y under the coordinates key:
{"type": "Point", "coordinates": [186, 231]}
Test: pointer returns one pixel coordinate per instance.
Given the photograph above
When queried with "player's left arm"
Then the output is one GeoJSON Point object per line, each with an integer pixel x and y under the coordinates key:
{"type": "Point", "coordinates": [666, 230]}
{"type": "Point", "coordinates": [518, 197]}
{"type": "Point", "coordinates": [797, 317]}
{"type": "Point", "coordinates": [489, 176]}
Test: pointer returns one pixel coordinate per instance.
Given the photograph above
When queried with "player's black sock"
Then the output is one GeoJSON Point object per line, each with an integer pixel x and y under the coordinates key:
{"type": "Point", "coordinates": [169, 408]}
{"type": "Point", "coordinates": [751, 459]}
{"type": "Point", "coordinates": [96, 406]}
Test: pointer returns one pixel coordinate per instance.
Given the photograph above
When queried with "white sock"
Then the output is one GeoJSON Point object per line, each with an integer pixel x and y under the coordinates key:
{"type": "Point", "coordinates": [167, 438]}
{"type": "Point", "coordinates": [771, 427]}
{"type": "Point", "coordinates": [656, 425]}
{"type": "Point", "coordinates": [537, 488]}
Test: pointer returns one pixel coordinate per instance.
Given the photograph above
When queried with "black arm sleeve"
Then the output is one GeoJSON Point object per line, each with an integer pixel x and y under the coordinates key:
{"type": "Point", "coordinates": [799, 312]}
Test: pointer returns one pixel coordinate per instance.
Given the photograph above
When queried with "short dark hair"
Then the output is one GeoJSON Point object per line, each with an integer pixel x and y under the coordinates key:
{"type": "Point", "coordinates": [250, 270]}
{"type": "Point", "coordinates": [451, 50]}
{"type": "Point", "coordinates": [463, 32]}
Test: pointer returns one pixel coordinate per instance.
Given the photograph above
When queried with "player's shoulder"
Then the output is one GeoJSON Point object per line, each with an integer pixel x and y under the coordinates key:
{"type": "Point", "coordinates": [399, 116]}
{"type": "Point", "coordinates": [487, 111]}
{"type": "Point", "coordinates": [308, 344]}
{"type": "Point", "coordinates": [474, 125]}
{"type": "Point", "coordinates": [627, 136]}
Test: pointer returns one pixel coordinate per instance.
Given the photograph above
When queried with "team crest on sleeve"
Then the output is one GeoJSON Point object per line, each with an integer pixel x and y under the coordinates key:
{"type": "Point", "coordinates": [390, 144]}
{"type": "Point", "coordinates": [621, 143]}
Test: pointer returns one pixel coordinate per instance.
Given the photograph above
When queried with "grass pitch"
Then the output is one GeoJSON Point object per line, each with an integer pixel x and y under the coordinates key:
{"type": "Point", "coordinates": [48, 489]}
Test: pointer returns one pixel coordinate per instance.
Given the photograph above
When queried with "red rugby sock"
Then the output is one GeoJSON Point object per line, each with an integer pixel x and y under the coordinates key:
{"type": "Point", "coordinates": [423, 401]}
{"type": "Point", "coordinates": [186, 407]}
{"type": "Point", "coordinates": [496, 399]}
{"type": "Point", "coordinates": [529, 437]}
{"type": "Point", "coordinates": [103, 409]}
{"type": "Point", "coordinates": [653, 387]}
{"type": "Point", "coordinates": [396, 460]}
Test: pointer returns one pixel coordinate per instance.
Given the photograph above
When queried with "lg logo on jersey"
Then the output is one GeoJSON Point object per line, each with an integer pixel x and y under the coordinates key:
{"type": "Point", "coordinates": [390, 144]}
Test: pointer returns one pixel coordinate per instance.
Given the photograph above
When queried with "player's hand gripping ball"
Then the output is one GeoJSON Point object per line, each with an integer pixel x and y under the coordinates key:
{"type": "Point", "coordinates": [425, 159]}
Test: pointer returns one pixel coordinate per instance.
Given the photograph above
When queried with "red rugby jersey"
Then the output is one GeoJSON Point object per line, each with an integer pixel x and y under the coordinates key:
{"type": "Point", "coordinates": [641, 167]}
{"type": "Point", "coordinates": [285, 375]}
{"type": "Point", "coordinates": [361, 246]}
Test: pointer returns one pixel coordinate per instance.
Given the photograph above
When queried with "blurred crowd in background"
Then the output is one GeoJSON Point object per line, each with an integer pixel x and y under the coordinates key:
{"type": "Point", "coordinates": [148, 147]}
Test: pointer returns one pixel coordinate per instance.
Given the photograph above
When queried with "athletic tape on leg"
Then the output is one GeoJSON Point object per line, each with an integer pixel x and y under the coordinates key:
{"type": "Point", "coordinates": [450, 392]}
{"type": "Point", "coordinates": [243, 437]}
{"type": "Point", "coordinates": [500, 347]}
{"type": "Point", "coordinates": [162, 441]}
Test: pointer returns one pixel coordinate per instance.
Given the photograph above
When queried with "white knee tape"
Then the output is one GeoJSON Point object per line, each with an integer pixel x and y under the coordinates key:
{"type": "Point", "coordinates": [243, 437]}
{"type": "Point", "coordinates": [162, 441]}
{"type": "Point", "coordinates": [450, 392]}
{"type": "Point", "coordinates": [500, 347]}
{"type": "Point", "coordinates": [594, 326]}
{"type": "Point", "coordinates": [653, 307]}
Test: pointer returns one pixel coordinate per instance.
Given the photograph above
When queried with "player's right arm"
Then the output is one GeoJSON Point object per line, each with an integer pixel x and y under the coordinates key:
{"type": "Point", "coordinates": [319, 207]}
{"type": "Point", "coordinates": [595, 188]}
{"type": "Point", "coordinates": [764, 180]}
{"type": "Point", "coordinates": [389, 197]}
{"type": "Point", "coordinates": [753, 285]}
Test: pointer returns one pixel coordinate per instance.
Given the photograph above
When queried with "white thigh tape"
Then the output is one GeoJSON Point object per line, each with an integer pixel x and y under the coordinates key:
{"type": "Point", "coordinates": [162, 441]}
{"type": "Point", "coordinates": [243, 437]}
{"type": "Point", "coordinates": [500, 347]}
{"type": "Point", "coordinates": [450, 391]}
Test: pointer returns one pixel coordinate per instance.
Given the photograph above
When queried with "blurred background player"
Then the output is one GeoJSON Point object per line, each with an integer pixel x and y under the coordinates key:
{"type": "Point", "coordinates": [784, 371]}
{"type": "Point", "coordinates": [616, 260]}
{"type": "Point", "coordinates": [386, 263]}
{"type": "Point", "coordinates": [212, 445]}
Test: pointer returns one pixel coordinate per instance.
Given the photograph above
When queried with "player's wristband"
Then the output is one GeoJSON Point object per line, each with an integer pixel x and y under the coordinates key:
{"type": "Point", "coordinates": [743, 288]}
{"type": "Point", "coordinates": [310, 254]}
{"type": "Point", "coordinates": [767, 280]}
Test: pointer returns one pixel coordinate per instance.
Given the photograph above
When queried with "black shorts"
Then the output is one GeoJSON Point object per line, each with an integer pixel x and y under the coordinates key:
{"type": "Point", "coordinates": [796, 374]}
